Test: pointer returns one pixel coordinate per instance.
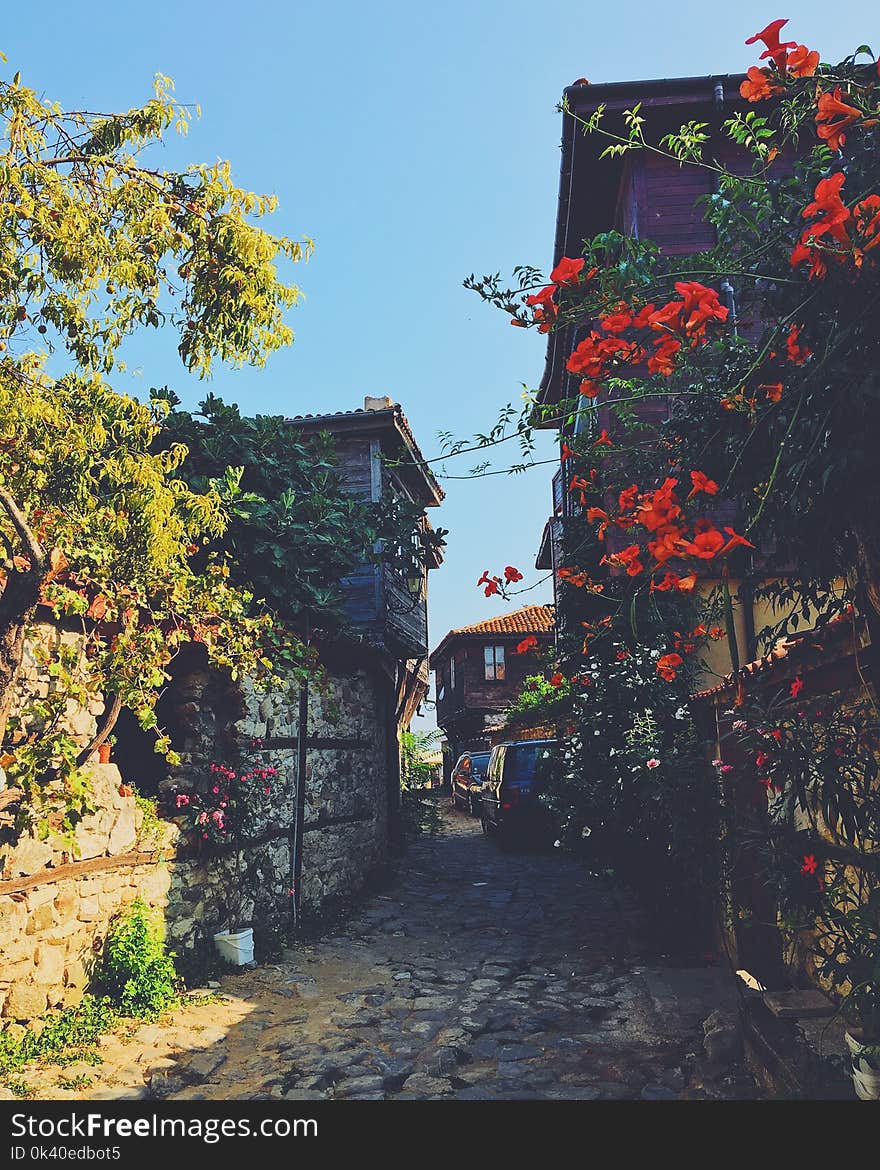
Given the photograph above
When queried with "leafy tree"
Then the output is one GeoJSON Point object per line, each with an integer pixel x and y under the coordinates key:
{"type": "Point", "coordinates": [293, 531]}
{"type": "Point", "coordinates": [96, 244]}
{"type": "Point", "coordinates": [415, 747]}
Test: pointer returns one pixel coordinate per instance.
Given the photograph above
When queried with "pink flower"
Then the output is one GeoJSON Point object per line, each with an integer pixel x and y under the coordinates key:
{"type": "Point", "coordinates": [182, 799]}
{"type": "Point", "coordinates": [726, 768]}
{"type": "Point", "coordinates": [652, 763]}
{"type": "Point", "coordinates": [215, 789]}
{"type": "Point", "coordinates": [202, 818]}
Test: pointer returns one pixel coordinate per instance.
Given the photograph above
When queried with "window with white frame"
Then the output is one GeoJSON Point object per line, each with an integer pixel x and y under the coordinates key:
{"type": "Point", "coordinates": [493, 659]}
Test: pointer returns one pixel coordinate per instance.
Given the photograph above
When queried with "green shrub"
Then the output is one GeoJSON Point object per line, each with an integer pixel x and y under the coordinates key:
{"type": "Point", "coordinates": [136, 971]}
{"type": "Point", "coordinates": [63, 1038]}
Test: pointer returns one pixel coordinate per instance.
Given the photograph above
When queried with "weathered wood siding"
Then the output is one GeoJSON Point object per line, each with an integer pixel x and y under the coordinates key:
{"type": "Point", "coordinates": [354, 461]}
{"type": "Point", "coordinates": [405, 617]}
{"type": "Point", "coordinates": [473, 690]}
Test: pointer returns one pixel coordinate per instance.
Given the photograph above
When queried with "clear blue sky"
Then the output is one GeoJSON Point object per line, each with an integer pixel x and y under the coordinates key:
{"type": "Point", "coordinates": [415, 143]}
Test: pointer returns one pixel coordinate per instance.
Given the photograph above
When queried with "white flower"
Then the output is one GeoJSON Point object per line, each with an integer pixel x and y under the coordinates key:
{"type": "Point", "coordinates": [739, 725]}
{"type": "Point", "coordinates": [556, 844]}
{"type": "Point", "coordinates": [652, 763]}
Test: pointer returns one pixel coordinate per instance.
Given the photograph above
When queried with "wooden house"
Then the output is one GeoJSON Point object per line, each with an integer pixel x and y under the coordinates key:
{"type": "Point", "coordinates": [479, 673]}
{"type": "Point", "coordinates": [650, 196]}
{"type": "Point", "coordinates": [378, 458]}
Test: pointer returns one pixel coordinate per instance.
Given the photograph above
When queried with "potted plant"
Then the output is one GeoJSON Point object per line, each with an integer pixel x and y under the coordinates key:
{"type": "Point", "coordinates": [861, 1010]}
{"type": "Point", "coordinates": [848, 951]}
{"type": "Point", "coordinates": [223, 821]}
{"type": "Point", "coordinates": [105, 749]}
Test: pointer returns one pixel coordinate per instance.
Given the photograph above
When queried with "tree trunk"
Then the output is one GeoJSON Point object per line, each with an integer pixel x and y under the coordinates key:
{"type": "Point", "coordinates": [18, 600]}
{"type": "Point", "coordinates": [11, 652]}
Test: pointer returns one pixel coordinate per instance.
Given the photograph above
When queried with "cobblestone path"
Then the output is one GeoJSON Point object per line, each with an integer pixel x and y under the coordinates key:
{"type": "Point", "coordinates": [478, 975]}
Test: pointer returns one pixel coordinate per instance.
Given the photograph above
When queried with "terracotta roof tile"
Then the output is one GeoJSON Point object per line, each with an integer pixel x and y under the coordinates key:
{"type": "Point", "coordinates": [797, 647]}
{"type": "Point", "coordinates": [531, 619]}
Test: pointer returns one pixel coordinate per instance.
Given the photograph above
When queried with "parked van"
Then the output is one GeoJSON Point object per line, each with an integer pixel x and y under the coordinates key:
{"type": "Point", "coordinates": [515, 778]}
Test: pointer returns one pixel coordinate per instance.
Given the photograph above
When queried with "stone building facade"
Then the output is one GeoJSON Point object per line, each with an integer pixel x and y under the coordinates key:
{"type": "Point", "coordinates": [57, 902]}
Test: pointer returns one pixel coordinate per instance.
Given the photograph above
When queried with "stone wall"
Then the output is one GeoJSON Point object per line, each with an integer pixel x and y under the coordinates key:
{"type": "Point", "coordinates": [57, 902]}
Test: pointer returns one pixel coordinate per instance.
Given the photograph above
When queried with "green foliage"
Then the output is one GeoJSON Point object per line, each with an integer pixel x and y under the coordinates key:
{"type": "Point", "coordinates": [539, 698]}
{"type": "Point", "coordinates": [630, 789]}
{"type": "Point", "coordinates": [94, 241]}
{"type": "Point", "coordinates": [66, 1037]}
{"type": "Point", "coordinates": [117, 531]}
{"type": "Point", "coordinates": [415, 748]}
{"type": "Point", "coordinates": [293, 532]}
{"type": "Point", "coordinates": [153, 828]}
{"type": "Point", "coordinates": [419, 813]}
{"type": "Point", "coordinates": [95, 519]}
{"type": "Point", "coordinates": [136, 972]}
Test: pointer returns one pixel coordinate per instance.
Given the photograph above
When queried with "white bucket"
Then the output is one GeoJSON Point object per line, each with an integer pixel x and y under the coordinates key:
{"type": "Point", "coordinates": [236, 948]}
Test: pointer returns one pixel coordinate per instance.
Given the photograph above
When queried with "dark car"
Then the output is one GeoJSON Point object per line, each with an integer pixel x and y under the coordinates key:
{"type": "Point", "coordinates": [467, 781]}
{"type": "Point", "coordinates": [517, 774]}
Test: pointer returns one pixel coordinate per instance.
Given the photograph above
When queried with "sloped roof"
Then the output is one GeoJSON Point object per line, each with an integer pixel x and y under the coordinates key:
{"type": "Point", "coordinates": [393, 415]}
{"type": "Point", "coordinates": [802, 651]}
{"type": "Point", "coordinates": [530, 619]}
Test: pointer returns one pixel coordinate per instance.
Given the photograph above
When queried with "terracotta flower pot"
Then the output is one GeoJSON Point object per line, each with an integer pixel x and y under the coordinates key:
{"type": "Point", "coordinates": [104, 753]}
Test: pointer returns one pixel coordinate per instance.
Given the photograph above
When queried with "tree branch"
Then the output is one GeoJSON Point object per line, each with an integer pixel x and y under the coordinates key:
{"type": "Point", "coordinates": [23, 531]}
{"type": "Point", "coordinates": [103, 731]}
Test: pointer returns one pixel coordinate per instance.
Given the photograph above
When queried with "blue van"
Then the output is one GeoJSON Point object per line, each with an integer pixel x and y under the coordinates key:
{"type": "Point", "coordinates": [515, 778]}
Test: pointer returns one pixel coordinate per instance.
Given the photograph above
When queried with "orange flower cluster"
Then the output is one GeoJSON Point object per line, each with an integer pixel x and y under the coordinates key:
{"type": "Point", "coordinates": [670, 536]}
{"type": "Point", "coordinates": [660, 334]}
{"type": "Point", "coordinates": [578, 579]}
{"type": "Point", "coordinates": [544, 306]}
{"type": "Point", "coordinates": [667, 666]}
{"type": "Point", "coordinates": [495, 584]}
{"type": "Point", "coordinates": [687, 643]}
{"type": "Point", "coordinates": [788, 58]}
{"type": "Point", "coordinates": [833, 117]}
{"type": "Point", "coordinates": [837, 231]}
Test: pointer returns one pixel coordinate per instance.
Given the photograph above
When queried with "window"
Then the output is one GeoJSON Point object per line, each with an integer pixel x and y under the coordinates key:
{"type": "Point", "coordinates": [493, 658]}
{"type": "Point", "coordinates": [452, 674]}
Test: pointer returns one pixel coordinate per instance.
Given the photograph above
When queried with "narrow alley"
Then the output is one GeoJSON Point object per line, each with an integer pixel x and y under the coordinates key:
{"type": "Point", "coordinates": [476, 975]}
